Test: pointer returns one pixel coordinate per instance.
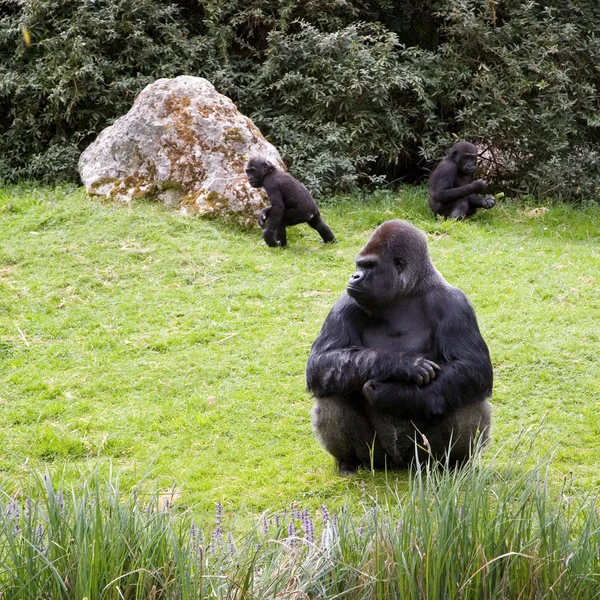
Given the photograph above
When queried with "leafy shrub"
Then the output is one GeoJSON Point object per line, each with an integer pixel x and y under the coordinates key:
{"type": "Point", "coordinates": [87, 62]}
{"type": "Point", "coordinates": [350, 92]}
{"type": "Point", "coordinates": [335, 103]}
{"type": "Point", "coordinates": [524, 85]}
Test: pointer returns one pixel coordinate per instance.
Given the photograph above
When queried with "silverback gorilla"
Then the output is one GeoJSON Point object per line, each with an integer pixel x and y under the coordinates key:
{"type": "Point", "coordinates": [399, 353]}
{"type": "Point", "coordinates": [291, 203]}
{"type": "Point", "coordinates": [452, 191]}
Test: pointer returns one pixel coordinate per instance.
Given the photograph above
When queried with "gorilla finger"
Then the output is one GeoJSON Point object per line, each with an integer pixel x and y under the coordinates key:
{"type": "Point", "coordinates": [431, 372]}
{"type": "Point", "coordinates": [369, 388]}
{"type": "Point", "coordinates": [418, 379]}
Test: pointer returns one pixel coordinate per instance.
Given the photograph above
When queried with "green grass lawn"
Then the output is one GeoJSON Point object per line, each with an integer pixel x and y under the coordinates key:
{"type": "Point", "coordinates": [174, 348]}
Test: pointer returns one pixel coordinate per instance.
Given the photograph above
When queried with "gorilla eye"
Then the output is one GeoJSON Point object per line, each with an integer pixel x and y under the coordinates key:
{"type": "Point", "coordinates": [399, 263]}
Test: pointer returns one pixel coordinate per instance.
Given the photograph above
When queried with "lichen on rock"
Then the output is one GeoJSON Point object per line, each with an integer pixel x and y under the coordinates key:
{"type": "Point", "coordinates": [184, 144]}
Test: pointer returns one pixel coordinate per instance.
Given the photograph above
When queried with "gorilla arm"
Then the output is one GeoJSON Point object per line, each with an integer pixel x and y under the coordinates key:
{"type": "Point", "coordinates": [338, 364]}
{"type": "Point", "coordinates": [441, 184]}
{"type": "Point", "coordinates": [465, 376]}
{"type": "Point", "coordinates": [274, 215]}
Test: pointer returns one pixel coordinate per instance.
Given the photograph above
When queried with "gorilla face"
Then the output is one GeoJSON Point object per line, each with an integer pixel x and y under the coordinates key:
{"type": "Point", "coordinates": [394, 263]}
{"type": "Point", "coordinates": [375, 281]}
{"type": "Point", "coordinates": [256, 169]}
{"type": "Point", "coordinates": [464, 156]}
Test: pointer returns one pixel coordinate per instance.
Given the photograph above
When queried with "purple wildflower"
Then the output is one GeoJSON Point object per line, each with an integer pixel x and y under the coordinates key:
{"type": "Point", "coordinates": [325, 514]}
{"type": "Point", "coordinates": [40, 537]}
{"type": "Point", "coordinates": [194, 537]}
{"type": "Point", "coordinates": [308, 526]}
{"type": "Point", "coordinates": [12, 510]}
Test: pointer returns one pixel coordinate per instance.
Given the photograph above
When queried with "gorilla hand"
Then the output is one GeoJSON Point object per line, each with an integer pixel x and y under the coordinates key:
{"type": "Point", "coordinates": [263, 216]}
{"type": "Point", "coordinates": [270, 237]}
{"type": "Point", "coordinates": [480, 186]}
{"type": "Point", "coordinates": [417, 369]}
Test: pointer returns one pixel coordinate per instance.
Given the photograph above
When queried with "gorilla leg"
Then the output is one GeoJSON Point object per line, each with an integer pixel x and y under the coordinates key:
{"type": "Point", "coordinates": [458, 432]}
{"type": "Point", "coordinates": [461, 210]}
{"type": "Point", "coordinates": [317, 223]}
{"type": "Point", "coordinates": [346, 433]}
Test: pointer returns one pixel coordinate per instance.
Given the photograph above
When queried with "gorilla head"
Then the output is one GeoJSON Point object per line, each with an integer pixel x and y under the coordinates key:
{"type": "Point", "coordinates": [394, 263]}
{"type": "Point", "coordinates": [464, 156]}
{"type": "Point", "coordinates": [257, 169]}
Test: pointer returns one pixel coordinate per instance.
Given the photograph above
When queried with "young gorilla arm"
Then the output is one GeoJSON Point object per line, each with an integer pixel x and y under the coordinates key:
{"type": "Point", "coordinates": [274, 213]}
{"type": "Point", "coordinates": [339, 365]}
{"type": "Point", "coordinates": [465, 376]}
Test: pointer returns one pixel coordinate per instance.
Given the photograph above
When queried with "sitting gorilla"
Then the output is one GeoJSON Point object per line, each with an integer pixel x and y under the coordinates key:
{"type": "Point", "coordinates": [291, 203]}
{"type": "Point", "coordinates": [452, 191]}
{"type": "Point", "coordinates": [400, 353]}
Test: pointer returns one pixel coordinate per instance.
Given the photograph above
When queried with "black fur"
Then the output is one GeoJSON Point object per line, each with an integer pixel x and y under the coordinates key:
{"type": "Point", "coordinates": [452, 191]}
{"type": "Point", "coordinates": [291, 203]}
{"type": "Point", "coordinates": [400, 352]}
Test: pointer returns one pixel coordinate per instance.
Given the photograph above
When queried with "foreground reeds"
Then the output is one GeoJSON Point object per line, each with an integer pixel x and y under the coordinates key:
{"type": "Point", "coordinates": [479, 532]}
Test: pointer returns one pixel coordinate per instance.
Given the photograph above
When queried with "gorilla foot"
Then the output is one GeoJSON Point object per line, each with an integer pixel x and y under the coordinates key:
{"type": "Point", "coordinates": [488, 202]}
{"type": "Point", "coordinates": [347, 467]}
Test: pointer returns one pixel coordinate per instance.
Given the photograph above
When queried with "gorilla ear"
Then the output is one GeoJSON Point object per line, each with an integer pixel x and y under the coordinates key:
{"type": "Point", "coordinates": [269, 166]}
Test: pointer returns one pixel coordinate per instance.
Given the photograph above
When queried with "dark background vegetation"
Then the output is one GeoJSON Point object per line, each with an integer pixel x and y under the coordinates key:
{"type": "Point", "coordinates": [351, 92]}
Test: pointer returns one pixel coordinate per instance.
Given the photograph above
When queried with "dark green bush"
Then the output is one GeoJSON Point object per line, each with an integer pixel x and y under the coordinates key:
{"type": "Point", "coordinates": [87, 62]}
{"type": "Point", "coordinates": [523, 84]}
{"type": "Point", "coordinates": [336, 103]}
{"type": "Point", "coordinates": [350, 92]}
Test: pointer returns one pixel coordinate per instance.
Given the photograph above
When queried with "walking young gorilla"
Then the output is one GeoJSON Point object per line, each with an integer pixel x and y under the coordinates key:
{"type": "Point", "coordinates": [399, 353]}
{"type": "Point", "coordinates": [452, 191]}
{"type": "Point", "coordinates": [291, 203]}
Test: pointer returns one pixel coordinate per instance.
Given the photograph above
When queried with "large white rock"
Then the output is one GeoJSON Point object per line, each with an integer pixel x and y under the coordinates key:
{"type": "Point", "coordinates": [184, 144]}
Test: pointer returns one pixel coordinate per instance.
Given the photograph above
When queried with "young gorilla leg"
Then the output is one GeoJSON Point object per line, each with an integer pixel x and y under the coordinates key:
{"type": "Point", "coordinates": [317, 223]}
{"type": "Point", "coordinates": [346, 433]}
{"type": "Point", "coordinates": [458, 433]}
{"type": "Point", "coordinates": [461, 210]}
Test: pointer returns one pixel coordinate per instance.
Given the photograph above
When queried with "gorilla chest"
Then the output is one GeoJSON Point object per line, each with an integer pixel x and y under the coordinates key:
{"type": "Point", "coordinates": [408, 331]}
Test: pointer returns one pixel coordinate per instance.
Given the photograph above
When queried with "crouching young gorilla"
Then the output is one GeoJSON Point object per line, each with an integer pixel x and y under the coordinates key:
{"type": "Point", "coordinates": [291, 203]}
{"type": "Point", "coordinates": [399, 353]}
{"type": "Point", "coordinates": [452, 191]}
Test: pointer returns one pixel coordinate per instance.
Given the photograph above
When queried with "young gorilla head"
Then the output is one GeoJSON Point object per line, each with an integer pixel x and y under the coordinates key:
{"type": "Point", "coordinates": [394, 263]}
{"type": "Point", "coordinates": [464, 156]}
{"type": "Point", "coordinates": [257, 169]}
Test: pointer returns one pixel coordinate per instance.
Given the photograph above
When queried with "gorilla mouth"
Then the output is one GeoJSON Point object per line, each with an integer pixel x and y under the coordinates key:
{"type": "Point", "coordinates": [356, 293]}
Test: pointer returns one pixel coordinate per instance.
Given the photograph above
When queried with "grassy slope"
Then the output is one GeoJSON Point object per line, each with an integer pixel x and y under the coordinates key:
{"type": "Point", "coordinates": [177, 346]}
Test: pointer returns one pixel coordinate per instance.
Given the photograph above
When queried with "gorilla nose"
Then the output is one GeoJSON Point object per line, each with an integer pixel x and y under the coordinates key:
{"type": "Point", "coordinates": [356, 277]}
